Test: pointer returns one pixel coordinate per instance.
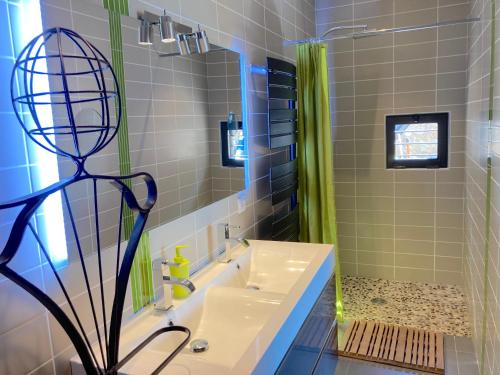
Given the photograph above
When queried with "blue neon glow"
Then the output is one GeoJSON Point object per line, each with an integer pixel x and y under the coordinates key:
{"type": "Point", "coordinates": [46, 171]}
{"type": "Point", "coordinates": [257, 69]}
{"type": "Point", "coordinates": [244, 117]}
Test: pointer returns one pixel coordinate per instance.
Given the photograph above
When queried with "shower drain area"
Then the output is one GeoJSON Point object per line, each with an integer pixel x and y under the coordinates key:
{"type": "Point", "coordinates": [433, 307]}
{"type": "Point", "coordinates": [379, 301]}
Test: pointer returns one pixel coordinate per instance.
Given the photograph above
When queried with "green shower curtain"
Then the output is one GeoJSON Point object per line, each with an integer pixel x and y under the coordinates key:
{"type": "Point", "coordinates": [316, 195]}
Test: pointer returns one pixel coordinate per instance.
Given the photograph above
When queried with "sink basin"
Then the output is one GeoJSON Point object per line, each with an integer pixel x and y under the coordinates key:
{"type": "Point", "coordinates": [230, 319]}
{"type": "Point", "coordinates": [270, 266]}
{"type": "Point", "coordinates": [248, 310]}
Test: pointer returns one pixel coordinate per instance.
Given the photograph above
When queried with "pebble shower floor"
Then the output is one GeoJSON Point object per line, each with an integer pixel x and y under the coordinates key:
{"type": "Point", "coordinates": [441, 308]}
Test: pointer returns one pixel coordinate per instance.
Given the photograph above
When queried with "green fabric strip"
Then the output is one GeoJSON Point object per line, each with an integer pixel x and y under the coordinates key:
{"type": "Point", "coordinates": [316, 194]}
{"type": "Point", "coordinates": [141, 274]}
{"type": "Point", "coordinates": [489, 183]}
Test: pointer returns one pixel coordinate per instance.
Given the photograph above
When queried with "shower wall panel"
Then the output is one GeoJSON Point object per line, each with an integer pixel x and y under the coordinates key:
{"type": "Point", "coordinates": [397, 224]}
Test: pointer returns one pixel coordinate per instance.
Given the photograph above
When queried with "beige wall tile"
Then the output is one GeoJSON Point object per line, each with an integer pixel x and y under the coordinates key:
{"type": "Point", "coordinates": [414, 247]}
{"type": "Point", "coordinates": [412, 274]}
{"type": "Point", "coordinates": [376, 258]}
{"type": "Point", "coordinates": [415, 261]}
{"type": "Point", "coordinates": [382, 272]}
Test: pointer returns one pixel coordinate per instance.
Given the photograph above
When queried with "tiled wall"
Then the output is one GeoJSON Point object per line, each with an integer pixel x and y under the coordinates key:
{"type": "Point", "coordinates": [396, 224]}
{"type": "Point", "coordinates": [481, 260]}
{"type": "Point", "coordinates": [32, 342]}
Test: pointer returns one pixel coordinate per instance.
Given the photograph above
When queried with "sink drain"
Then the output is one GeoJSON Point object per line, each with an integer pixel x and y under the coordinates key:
{"type": "Point", "coordinates": [253, 287]}
{"type": "Point", "coordinates": [378, 301]}
{"type": "Point", "coordinates": [199, 346]}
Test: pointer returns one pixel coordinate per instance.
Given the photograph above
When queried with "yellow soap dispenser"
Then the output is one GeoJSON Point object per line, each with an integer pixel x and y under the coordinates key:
{"type": "Point", "coordinates": [180, 270]}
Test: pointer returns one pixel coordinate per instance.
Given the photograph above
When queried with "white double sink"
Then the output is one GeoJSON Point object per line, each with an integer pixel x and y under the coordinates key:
{"type": "Point", "coordinates": [248, 310]}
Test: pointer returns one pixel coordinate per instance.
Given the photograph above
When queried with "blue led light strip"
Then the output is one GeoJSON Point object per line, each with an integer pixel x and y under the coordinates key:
{"type": "Point", "coordinates": [44, 168]}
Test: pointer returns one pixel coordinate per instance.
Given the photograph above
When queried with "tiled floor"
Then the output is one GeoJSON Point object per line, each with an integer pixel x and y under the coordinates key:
{"type": "Point", "coordinates": [459, 356]}
{"type": "Point", "coordinates": [420, 305]}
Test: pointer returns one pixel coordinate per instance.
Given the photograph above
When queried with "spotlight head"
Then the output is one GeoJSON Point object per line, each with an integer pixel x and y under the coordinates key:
{"type": "Point", "coordinates": [183, 44]}
{"type": "Point", "coordinates": [167, 32]}
{"type": "Point", "coordinates": [201, 40]}
{"type": "Point", "coordinates": [145, 33]}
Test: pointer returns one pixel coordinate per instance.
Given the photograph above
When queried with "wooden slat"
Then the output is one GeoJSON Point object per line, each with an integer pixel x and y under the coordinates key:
{"type": "Point", "coordinates": [401, 343]}
{"type": "Point", "coordinates": [388, 341]}
{"type": "Point", "coordinates": [414, 353]}
{"type": "Point", "coordinates": [432, 350]}
{"type": "Point", "coordinates": [394, 341]}
{"type": "Point", "coordinates": [378, 341]}
{"type": "Point", "coordinates": [346, 337]}
{"type": "Point", "coordinates": [409, 345]}
{"type": "Point", "coordinates": [421, 338]}
{"type": "Point", "coordinates": [357, 338]}
{"type": "Point", "coordinates": [426, 354]}
{"type": "Point", "coordinates": [367, 336]}
{"type": "Point", "coordinates": [399, 346]}
{"type": "Point", "coordinates": [439, 351]}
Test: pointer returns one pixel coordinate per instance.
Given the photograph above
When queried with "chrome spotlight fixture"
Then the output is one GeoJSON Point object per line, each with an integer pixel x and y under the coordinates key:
{"type": "Point", "coordinates": [145, 33]}
{"type": "Point", "coordinates": [201, 40]}
{"type": "Point", "coordinates": [164, 23]}
{"type": "Point", "coordinates": [183, 44]}
{"type": "Point", "coordinates": [167, 32]}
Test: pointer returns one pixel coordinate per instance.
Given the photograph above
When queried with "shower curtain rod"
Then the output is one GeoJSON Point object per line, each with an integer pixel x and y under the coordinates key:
{"type": "Point", "coordinates": [375, 32]}
{"type": "Point", "coordinates": [365, 33]}
{"type": "Point", "coordinates": [323, 36]}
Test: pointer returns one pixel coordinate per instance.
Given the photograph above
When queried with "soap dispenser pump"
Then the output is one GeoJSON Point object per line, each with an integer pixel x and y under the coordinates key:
{"type": "Point", "coordinates": [180, 270]}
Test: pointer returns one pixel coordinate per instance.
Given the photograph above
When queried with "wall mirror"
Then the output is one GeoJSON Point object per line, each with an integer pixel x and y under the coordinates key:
{"type": "Point", "coordinates": [186, 127]}
{"type": "Point", "coordinates": [188, 131]}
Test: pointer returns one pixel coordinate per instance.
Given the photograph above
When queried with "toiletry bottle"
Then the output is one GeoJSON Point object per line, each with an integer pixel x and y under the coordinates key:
{"type": "Point", "coordinates": [180, 270]}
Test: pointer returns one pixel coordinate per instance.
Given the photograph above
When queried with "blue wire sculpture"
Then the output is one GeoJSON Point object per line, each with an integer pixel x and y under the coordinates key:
{"type": "Point", "coordinates": [63, 60]}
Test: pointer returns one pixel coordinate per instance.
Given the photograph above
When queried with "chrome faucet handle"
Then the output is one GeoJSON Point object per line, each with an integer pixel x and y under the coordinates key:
{"type": "Point", "coordinates": [170, 280]}
{"type": "Point", "coordinates": [228, 226]}
{"type": "Point", "coordinates": [231, 226]}
{"type": "Point", "coordinates": [167, 262]}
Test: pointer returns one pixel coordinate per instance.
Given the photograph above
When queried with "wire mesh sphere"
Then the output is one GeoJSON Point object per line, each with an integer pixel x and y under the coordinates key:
{"type": "Point", "coordinates": [65, 94]}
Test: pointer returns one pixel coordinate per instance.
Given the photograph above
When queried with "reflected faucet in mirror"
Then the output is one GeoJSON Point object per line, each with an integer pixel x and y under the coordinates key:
{"type": "Point", "coordinates": [226, 257]}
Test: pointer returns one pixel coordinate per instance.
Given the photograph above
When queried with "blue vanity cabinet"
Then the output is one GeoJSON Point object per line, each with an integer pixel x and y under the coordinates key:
{"type": "Point", "coordinates": [314, 349]}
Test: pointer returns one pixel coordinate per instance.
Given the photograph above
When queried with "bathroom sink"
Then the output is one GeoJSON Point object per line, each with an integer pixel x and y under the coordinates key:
{"type": "Point", "coordinates": [270, 266]}
{"type": "Point", "coordinates": [248, 310]}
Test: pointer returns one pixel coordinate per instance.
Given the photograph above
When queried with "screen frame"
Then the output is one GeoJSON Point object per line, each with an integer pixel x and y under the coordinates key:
{"type": "Point", "coordinates": [443, 121]}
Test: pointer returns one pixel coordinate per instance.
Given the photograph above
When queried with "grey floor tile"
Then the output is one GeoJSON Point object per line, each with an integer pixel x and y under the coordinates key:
{"type": "Point", "coordinates": [468, 369]}
{"type": "Point", "coordinates": [368, 368]}
{"type": "Point", "coordinates": [464, 344]}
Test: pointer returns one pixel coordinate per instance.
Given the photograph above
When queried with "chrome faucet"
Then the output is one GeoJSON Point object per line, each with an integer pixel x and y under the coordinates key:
{"type": "Point", "coordinates": [226, 258]}
{"type": "Point", "coordinates": [168, 281]}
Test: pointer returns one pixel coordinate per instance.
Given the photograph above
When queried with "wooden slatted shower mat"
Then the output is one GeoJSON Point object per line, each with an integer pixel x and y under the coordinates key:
{"type": "Point", "coordinates": [411, 348]}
